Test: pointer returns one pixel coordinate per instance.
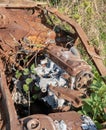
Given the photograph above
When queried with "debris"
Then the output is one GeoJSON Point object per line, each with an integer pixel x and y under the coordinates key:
{"type": "Point", "coordinates": [39, 64]}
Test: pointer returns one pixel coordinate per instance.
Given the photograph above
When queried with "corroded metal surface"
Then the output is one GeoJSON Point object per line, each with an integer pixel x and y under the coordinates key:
{"type": "Point", "coordinates": [67, 60]}
{"type": "Point", "coordinates": [70, 95]}
{"type": "Point", "coordinates": [44, 122]}
{"type": "Point", "coordinates": [72, 119]}
{"type": "Point", "coordinates": [24, 32]}
{"type": "Point", "coordinates": [24, 25]}
{"type": "Point", "coordinates": [2, 119]}
{"type": "Point", "coordinates": [85, 41]}
{"type": "Point", "coordinates": [10, 112]}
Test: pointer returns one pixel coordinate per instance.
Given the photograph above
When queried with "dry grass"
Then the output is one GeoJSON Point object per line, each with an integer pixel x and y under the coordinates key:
{"type": "Point", "coordinates": [91, 15]}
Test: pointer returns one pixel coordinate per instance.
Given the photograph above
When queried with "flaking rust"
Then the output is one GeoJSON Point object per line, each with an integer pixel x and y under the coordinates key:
{"type": "Point", "coordinates": [69, 95]}
{"type": "Point", "coordinates": [56, 78]}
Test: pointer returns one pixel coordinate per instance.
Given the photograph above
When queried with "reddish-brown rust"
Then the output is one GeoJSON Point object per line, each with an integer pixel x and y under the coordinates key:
{"type": "Point", "coordinates": [90, 49]}
{"type": "Point", "coordinates": [45, 121]}
{"type": "Point", "coordinates": [17, 23]}
{"type": "Point", "coordinates": [24, 26]}
{"type": "Point", "coordinates": [2, 114]}
{"type": "Point", "coordinates": [67, 60]}
{"type": "Point", "coordinates": [12, 122]}
{"type": "Point", "coordinates": [70, 95]}
{"type": "Point", "coordinates": [72, 119]}
{"type": "Point", "coordinates": [4, 21]}
{"type": "Point", "coordinates": [96, 58]}
{"type": "Point", "coordinates": [11, 60]}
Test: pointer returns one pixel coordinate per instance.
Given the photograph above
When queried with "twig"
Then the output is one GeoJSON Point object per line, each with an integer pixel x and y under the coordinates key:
{"type": "Point", "coordinates": [29, 103]}
{"type": "Point", "coordinates": [14, 39]}
{"type": "Point", "coordinates": [31, 59]}
{"type": "Point", "coordinates": [7, 57]}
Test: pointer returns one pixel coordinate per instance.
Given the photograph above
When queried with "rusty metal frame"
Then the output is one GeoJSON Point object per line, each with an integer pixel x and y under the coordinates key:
{"type": "Point", "coordinates": [97, 60]}
{"type": "Point", "coordinates": [11, 116]}
{"type": "Point", "coordinates": [85, 41]}
{"type": "Point", "coordinates": [12, 122]}
{"type": "Point", "coordinates": [70, 95]}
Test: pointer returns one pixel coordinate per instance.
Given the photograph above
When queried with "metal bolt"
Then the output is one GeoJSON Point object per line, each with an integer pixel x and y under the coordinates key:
{"type": "Point", "coordinates": [33, 124]}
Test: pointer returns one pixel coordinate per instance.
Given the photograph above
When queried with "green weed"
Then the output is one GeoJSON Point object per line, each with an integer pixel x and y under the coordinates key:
{"type": "Point", "coordinates": [95, 105]}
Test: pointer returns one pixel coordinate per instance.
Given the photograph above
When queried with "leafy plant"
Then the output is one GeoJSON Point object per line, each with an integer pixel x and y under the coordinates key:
{"type": "Point", "coordinates": [26, 85]}
{"type": "Point", "coordinates": [95, 105]}
{"type": "Point", "coordinates": [18, 74]}
{"type": "Point", "coordinates": [27, 77]}
{"type": "Point", "coordinates": [26, 88]}
{"type": "Point", "coordinates": [26, 71]}
{"type": "Point", "coordinates": [32, 69]}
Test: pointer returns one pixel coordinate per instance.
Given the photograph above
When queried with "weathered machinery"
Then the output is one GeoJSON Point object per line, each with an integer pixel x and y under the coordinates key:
{"type": "Point", "coordinates": [42, 75]}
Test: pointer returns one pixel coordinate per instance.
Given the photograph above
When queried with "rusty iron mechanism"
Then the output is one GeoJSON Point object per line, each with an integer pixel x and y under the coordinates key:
{"type": "Point", "coordinates": [42, 75]}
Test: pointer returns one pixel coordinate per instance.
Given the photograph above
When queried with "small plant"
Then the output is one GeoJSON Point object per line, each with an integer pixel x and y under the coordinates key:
{"type": "Point", "coordinates": [27, 79]}
{"type": "Point", "coordinates": [27, 83]}
{"type": "Point", "coordinates": [18, 74]}
{"type": "Point", "coordinates": [95, 105]}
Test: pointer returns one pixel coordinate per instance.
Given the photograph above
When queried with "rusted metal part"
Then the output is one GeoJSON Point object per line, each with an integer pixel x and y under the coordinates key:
{"type": "Point", "coordinates": [4, 45]}
{"type": "Point", "coordinates": [17, 28]}
{"type": "Point", "coordinates": [20, 28]}
{"type": "Point", "coordinates": [40, 35]}
{"type": "Point", "coordinates": [82, 79]}
{"type": "Point", "coordinates": [10, 59]}
{"type": "Point", "coordinates": [3, 21]}
{"type": "Point", "coordinates": [70, 95]}
{"type": "Point", "coordinates": [67, 60]}
{"type": "Point", "coordinates": [2, 115]}
{"type": "Point", "coordinates": [72, 119]}
{"type": "Point", "coordinates": [85, 41]}
{"type": "Point", "coordinates": [33, 124]}
{"type": "Point", "coordinates": [10, 112]}
{"type": "Point", "coordinates": [30, 25]}
{"type": "Point", "coordinates": [16, 22]}
{"type": "Point", "coordinates": [45, 122]}
{"type": "Point", "coordinates": [97, 60]}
